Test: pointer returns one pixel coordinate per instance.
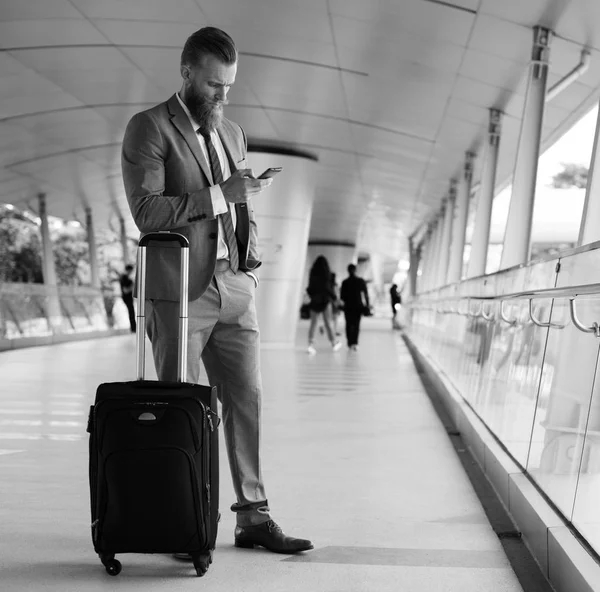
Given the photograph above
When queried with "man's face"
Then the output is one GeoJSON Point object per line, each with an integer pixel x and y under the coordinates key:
{"type": "Point", "coordinates": [205, 89]}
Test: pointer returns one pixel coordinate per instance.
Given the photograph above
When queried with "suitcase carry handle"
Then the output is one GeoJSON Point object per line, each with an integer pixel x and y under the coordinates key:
{"type": "Point", "coordinates": [140, 344]}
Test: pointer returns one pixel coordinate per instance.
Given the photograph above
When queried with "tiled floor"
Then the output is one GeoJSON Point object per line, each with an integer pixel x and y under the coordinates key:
{"type": "Point", "coordinates": [354, 458]}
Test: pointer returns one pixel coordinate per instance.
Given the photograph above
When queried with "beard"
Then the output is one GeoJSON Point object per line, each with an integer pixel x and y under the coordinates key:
{"type": "Point", "coordinates": [206, 113]}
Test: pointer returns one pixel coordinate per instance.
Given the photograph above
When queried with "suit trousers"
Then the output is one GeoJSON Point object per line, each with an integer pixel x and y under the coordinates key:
{"type": "Point", "coordinates": [353, 316]}
{"type": "Point", "coordinates": [224, 334]}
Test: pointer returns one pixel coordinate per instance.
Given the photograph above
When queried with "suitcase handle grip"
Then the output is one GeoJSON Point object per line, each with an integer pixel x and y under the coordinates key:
{"type": "Point", "coordinates": [164, 236]}
{"type": "Point", "coordinates": [140, 343]}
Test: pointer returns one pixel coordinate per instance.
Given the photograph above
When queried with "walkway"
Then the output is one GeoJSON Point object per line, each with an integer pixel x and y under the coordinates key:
{"type": "Point", "coordinates": [354, 458]}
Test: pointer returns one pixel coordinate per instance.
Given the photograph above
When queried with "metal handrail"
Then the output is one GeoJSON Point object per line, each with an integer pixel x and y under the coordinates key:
{"type": "Point", "coordinates": [565, 292]}
{"type": "Point", "coordinates": [535, 321]}
{"type": "Point", "coordinates": [469, 313]}
{"type": "Point", "coordinates": [491, 317]}
{"type": "Point", "coordinates": [503, 314]}
{"type": "Point", "coordinates": [595, 328]}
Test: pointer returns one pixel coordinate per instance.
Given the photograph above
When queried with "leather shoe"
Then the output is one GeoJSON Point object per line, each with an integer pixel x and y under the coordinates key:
{"type": "Point", "coordinates": [270, 536]}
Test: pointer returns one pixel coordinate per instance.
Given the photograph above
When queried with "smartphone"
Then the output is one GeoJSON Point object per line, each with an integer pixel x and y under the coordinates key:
{"type": "Point", "coordinates": [270, 173]}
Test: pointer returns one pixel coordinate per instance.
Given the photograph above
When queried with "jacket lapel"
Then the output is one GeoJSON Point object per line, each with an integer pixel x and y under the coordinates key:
{"type": "Point", "coordinates": [181, 121]}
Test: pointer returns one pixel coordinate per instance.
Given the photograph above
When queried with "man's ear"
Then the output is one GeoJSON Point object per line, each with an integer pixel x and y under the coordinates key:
{"type": "Point", "coordinates": [185, 72]}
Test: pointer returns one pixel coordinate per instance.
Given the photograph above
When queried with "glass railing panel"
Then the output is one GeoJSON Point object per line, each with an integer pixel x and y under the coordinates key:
{"type": "Point", "coordinates": [586, 512]}
{"type": "Point", "coordinates": [23, 313]}
{"type": "Point", "coordinates": [563, 405]}
{"type": "Point", "coordinates": [566, 387]}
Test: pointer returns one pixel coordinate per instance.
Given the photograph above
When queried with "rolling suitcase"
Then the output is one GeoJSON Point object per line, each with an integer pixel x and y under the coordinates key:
{"type": "Point", "coordinates": [154, 481]}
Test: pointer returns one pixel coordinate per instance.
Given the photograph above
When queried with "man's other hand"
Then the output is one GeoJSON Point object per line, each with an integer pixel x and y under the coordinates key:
{"type": "Point", "coordinates": [242, 185]}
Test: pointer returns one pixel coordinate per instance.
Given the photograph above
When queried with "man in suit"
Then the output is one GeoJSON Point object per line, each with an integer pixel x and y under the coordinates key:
{"type": "Point", "coordinates": [355, 297]}
{"type": "Point", "coordinates": [184, 169]}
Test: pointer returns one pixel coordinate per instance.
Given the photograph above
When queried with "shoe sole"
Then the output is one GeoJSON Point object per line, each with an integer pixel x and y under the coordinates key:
{"type": "Point", "coordinates": [248, 545]}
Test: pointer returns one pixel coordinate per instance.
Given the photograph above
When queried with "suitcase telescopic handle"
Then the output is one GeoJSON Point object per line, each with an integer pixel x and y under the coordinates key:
{"type": "Point", "coordinates": [140, 344]}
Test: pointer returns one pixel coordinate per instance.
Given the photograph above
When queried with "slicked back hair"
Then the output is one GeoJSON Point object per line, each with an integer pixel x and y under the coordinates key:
{"type": "Point", "coordinates": [208, 41]}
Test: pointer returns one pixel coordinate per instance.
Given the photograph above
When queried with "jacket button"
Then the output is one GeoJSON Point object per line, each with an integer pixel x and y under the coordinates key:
{"type": "Point", "coordinates": [212, 235]}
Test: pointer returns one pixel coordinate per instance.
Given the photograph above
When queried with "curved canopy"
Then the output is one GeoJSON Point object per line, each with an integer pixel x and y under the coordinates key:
{"type": "Point", "coordinates": [389, 94]}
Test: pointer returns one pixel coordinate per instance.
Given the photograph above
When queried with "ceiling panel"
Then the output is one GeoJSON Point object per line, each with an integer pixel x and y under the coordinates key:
{"type": "Point", "coordinates": [530, 13]}
{"type": "Point", "coordinates": [14, 10]}
{"type": "Point", "coordinates": [306, 20]}
{"type": "Point", "coordinates": [388, 55]}
{"type": "Point", "coordinates": [182, 11]}
{"type": "Point", "coordinates": [387, 94]}
{"type": "Point", "coordinates": [38, 33]}
{"type": "Point", "coordinates": [437, 22]}
{"type": "Point", "coordinates": [29, 92]}
{"type": "Point", "coordinates": [144, 32]}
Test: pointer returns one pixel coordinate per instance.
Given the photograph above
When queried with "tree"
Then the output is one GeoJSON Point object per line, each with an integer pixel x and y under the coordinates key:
{"type": "Point", "coordinates": [20, 248]}
{"type": "Point", "coordinates": [572, 175]}
{"type": "Point", "coordinates": [71, 256]}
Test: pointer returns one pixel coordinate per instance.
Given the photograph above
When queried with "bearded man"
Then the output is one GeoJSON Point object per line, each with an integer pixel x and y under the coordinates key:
{"type": "Point", "coordinates": [185, 170]}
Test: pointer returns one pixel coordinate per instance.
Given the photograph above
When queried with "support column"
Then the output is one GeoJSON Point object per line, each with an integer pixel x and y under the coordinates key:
{"type": "Point", "coordinates": [124, 241]}
{"type": "Point", "coordinates": [414, 253]}
{"type": "Point", "coordinates": [520, 214]}
{"type": "Point", "coordinates": [436, 246]}
{"type": "Point", "coordinates": [91, 240]}
{"type": "Point", "coordinates": [53, 310]}
{"type": "Point", "coordinates": [459, 227]}
{"type": "Point", "coordinates": [339, 254]}
{"type": "Point", "coordinates": [283, 213]}
{"type": "Point", "coordinates": [589, 230]}
{"type": "Point", "coordinates": [425, 257]}
{"type": "Point", "coordinates": [481, 232]}
{"type": "Point", "coordinates": [447, 235]}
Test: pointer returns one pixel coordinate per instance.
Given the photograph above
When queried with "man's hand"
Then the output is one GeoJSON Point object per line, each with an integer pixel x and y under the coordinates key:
{"type": "Point", "coordinates": [242, 185]}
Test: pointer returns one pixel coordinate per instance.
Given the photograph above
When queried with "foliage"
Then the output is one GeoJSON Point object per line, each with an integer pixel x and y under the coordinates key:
{"type": "Point", "coordinates": [71, 257]}
{"type": "Point", "coordinates": [20, 248]}
{"type": "Point", "coordinates": [572, 175]}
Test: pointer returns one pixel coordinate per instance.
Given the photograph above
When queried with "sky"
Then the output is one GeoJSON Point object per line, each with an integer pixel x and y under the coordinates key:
{"type": "Point", "coordinates": [552, 205]}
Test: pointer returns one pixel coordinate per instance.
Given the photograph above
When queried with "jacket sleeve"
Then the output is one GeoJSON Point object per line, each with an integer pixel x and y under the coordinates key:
{"type": "Point", "coordinates": [143, 166]}
{"type": "Point", "coordinates": [253, 255]}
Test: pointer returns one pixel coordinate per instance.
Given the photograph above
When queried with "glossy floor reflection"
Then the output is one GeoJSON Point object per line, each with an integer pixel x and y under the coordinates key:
{"type": "Point", "coordinates": [354, 458]}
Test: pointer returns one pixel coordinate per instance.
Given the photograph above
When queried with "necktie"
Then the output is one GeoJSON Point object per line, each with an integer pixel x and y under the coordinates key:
{"type": "Point", "coordinates": [217, 173]}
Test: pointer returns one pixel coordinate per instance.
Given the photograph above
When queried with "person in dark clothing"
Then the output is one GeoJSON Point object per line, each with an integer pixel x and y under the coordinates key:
{"type": "Point", "coordinates": [126, 283]}
{"type": "Point", "coordinates": [355, 297]}
{"type": "Point", "coordinates": [322, 297]}
{"type": "Point", "coordinates": [395, 301]}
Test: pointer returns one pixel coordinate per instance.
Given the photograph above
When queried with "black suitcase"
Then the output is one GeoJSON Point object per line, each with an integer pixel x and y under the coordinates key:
{"type": "Point", "coordinates": [154, 481]}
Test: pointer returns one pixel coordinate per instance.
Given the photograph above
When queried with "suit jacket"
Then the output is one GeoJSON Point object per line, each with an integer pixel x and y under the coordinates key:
{"type": "Point", "coordinates": [166, 179]}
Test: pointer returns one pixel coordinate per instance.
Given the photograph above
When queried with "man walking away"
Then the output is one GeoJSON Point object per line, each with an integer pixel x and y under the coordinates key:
{"type": "Point", "coordinates": [127, 294]}
{"type": "Point", "coordinates": [355, 297]}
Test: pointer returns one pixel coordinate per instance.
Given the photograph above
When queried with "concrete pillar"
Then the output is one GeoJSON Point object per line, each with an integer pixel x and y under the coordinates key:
{"type": "Point", "coordinates": [483, 217]}
{"type": "Point", "coordinates": [283, 213]}
{"type": "Point", "coordinates": [436, 247]}
{"type": "Point", "coordinates": [53, 309]}
{"type": "Point", "coordinates": [459, 228]}
{"type": "Point", "coordinates": [446, 235]}
{"type": "Point", "coordinates": [124, 240]}
{"type": "Point", "coordinates": [91, 240]}
{"type": "Point", "coordinates": [520, 214]}
{"type": "Point", "coordinates": [375, 277]}
{"type": "Point", "coordinates": [414, 257]}
{"type": "Point", "coordinates": [589, 230]}
{"type": "Point", "coordinates": [426, 259]}
{"type": "Point", "coordinates": [49, 268]}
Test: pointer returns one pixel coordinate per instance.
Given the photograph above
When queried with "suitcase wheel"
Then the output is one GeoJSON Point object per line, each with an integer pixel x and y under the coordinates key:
{"type": "Point", "coordinates": [113, 566]}
{"type": "Point", "coordinates": [202, 563]}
